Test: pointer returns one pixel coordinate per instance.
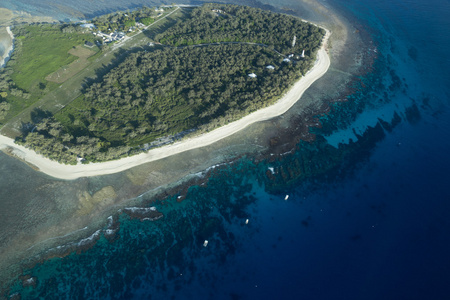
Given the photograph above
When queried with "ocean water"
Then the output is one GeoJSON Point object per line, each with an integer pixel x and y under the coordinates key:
{"type": "Point", "coordinates": [366, 215]}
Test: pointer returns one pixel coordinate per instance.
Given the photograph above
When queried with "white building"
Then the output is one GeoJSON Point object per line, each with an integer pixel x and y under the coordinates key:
{"type": "Point", "coordinates": [88, 25]}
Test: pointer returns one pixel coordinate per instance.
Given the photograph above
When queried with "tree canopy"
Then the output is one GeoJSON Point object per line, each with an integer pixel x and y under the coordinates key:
{"type": "Point", "coordinates": [212, 23]}
{"type": "Point", "coordinates": [215, 67]}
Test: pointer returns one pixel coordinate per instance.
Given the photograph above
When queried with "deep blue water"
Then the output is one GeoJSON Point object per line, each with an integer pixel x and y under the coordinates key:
{"type": "Point", "coordinates": [379, 230]}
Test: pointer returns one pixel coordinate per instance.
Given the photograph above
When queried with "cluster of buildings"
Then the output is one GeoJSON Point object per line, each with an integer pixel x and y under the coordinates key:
{"type": "Point", "coordinates": [108, 38]}
{"type": "Point", "coordinates": [118, 35]}
{"type": "Point", "coordinates": [138, 25]}
{"type": "Point", "coordinates": [285, 60]}
{"type": "Point", "coordinates": [253, 75]}
{"type": "Point", "coordinates": [113, 36]}
{"type": "Point", "coordinates": [218, 11]}
{"type": "Point", "coordinates": [291, 56]}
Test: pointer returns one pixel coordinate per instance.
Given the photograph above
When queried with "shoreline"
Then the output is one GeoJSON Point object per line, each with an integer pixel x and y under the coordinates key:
{"type": "Point", "coordinates": [70, 172]}
{"type": "Point", "coordinates": [9, 50]}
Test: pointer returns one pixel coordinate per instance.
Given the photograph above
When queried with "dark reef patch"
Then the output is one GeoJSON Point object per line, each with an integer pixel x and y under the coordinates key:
{"type": "Point", "coordinates": [314, 163]}
{"type": "Point", "coordinates": [412, 114]}
{"type": "Point", "coordinates": [143, 213]}
{"type": "Point", "coordinates": [167, 245]}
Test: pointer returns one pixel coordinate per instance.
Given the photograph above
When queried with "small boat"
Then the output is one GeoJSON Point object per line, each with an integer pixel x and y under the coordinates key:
{"type": "Point", "coordinates": [205, 243]}
{"type": "Point", "coordinates": [287, 197]}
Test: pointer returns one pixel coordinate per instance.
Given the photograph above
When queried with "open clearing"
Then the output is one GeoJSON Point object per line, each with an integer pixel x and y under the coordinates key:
{"type": "Point", "coordinates": [66, 72]}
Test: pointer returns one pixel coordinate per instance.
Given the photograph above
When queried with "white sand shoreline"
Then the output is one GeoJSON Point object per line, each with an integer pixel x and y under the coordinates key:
{"type": "Point", "coordinates": [69, 172]}
{"type": "Point", "coordinates": [9, 50]}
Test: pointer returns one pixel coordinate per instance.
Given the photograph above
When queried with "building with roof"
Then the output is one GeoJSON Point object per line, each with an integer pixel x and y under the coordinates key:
{"type": "Point", "coordinates": [88, 25]}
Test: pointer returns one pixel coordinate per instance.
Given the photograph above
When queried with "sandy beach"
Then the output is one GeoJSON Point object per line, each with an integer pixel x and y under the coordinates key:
{"type": "Point", "coordinates": [69, 172]}
{"type": "Point", "coordinates": [9, 48]}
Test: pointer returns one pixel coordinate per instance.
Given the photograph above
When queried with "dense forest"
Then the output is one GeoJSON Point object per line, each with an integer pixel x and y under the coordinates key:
{"type": "Point", "coordinates": [233, 23]}
{"type": "Point", "coordinates": [7, 85]}
{"type": "Point", "coordinates": [179, 87]}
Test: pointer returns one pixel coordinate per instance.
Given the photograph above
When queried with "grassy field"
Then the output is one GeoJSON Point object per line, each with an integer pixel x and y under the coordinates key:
{"type": "Point", "coordinates": [43, 50]}
{"type": "Point", "coordinates": [66, 72]}
{"type": "Point", "coordinates": [40, 50]}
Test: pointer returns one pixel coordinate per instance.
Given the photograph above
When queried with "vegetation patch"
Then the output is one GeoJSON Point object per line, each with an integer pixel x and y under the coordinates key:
{"type": "Point", "coordinates": [40, 49]}
{"type": "Point", "coordinates": [214, 67]}
{"type": "Point", "coordinates": [43, 50]}
{"type": "Point", "coordinates": [66, 72]}
{"type": "Point", "coordinates": [213, 23]}
{"type": "Point", "coordinates": [153, 94]}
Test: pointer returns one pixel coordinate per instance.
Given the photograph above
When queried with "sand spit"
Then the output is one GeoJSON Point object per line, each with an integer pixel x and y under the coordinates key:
{"type": "Point", "coordinates": [69, 172]}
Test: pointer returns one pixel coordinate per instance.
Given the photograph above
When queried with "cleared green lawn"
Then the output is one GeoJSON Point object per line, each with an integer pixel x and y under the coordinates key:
{"type": "Point", "coordinates": [43, 50]}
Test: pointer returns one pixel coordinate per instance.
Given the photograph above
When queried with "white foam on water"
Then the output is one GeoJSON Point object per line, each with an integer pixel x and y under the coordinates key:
{"type": "Point", "coordinates": [88, 240]}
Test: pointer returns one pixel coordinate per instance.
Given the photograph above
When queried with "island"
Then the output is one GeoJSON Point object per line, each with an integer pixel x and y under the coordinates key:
{"type": "Point", "coordinates": [156, 83]}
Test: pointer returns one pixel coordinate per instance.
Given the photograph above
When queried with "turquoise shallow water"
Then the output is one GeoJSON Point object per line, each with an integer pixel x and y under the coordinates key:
{"type": "Point", "coordinates": [366, 212]}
